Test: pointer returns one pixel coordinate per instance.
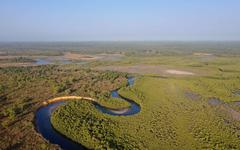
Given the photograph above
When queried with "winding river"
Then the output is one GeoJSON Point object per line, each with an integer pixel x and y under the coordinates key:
{"type": "Point", "coordinates": [44, 126]}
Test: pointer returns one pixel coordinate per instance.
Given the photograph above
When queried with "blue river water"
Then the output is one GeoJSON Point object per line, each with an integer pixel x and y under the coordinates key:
{"type": "Point", "coordinates": [42, 61]}
{"type": "Point", "coordinates": [44, 126]}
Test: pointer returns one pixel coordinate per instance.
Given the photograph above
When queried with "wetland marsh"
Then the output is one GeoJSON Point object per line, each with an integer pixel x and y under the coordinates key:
{"type": "Point", "coordinates": [186, 101]}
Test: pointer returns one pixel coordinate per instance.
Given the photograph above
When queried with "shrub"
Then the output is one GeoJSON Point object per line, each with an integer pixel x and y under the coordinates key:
{"type": "Point", "coordinates": [12, 111]}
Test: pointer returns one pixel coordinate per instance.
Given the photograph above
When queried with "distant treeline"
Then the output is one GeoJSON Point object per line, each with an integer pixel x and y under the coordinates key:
{"type": "Point", "coordinates": [16, 60]}
{"type": "Point", "coordinates": [56, 48]}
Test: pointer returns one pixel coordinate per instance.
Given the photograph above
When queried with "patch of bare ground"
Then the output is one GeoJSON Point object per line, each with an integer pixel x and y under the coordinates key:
{"type": "Point", "coordinates": [111, 57]}
{"type": "Point", "coordinates": [85, 57]}
{"type": "Point", "coordinates": [179, 72]}
{"type": "Point", "coordinates": [202, 54]}
{"type": "Point", "coordinates": [68, 57]}
{"type": "Point", "coordinates": [2, 53]}
{"type": "Point", "coordinates": [146, 69]}
{"type": "Point", "coordinates": [75, 56]}
{"type": "Point", "coordinates": [205, 57]}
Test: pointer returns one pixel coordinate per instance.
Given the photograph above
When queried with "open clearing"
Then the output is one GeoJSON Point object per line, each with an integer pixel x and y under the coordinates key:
{"type": "Point", "coordinates": [85, 57]}
{"type": "Point", "coordinates": [178, 72]}
{"type": "Point", "coordinates": [74, 56]}
{"type": "Point", "coordinates": [146, 69]}
{"type": "Point", "coordinates": [7, 60]}
{"type": "Point", "coordinates": [203, 54]}
{"type": "Point", "coordinates": [187, 101]}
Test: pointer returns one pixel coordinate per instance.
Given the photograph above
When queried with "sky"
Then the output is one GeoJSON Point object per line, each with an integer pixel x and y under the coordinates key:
{"type": "Point", "coordinates": [119, 20]}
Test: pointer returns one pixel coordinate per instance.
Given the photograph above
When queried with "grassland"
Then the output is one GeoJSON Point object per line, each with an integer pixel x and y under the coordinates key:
{"type": "Point", "coordinates": [169, 119]}
{"type": "Point", "coordinates": [176, 111]}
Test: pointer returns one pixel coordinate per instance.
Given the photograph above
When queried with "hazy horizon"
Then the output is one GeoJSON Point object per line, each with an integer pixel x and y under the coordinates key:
{"type": "Point", "coordinates": [152, 20]}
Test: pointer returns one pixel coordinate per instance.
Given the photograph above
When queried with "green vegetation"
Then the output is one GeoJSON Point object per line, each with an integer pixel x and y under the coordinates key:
{"type": "Point", "coordinates": [175, 109]}
{"type": "Point", "coordinates": [93, 132]}
{"type": "Point", "coordinates": [23, 89]}
{"type": "Point", "coordinates": [16, 60]}
{"type": "Point", "coordinates": [173, 119]}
